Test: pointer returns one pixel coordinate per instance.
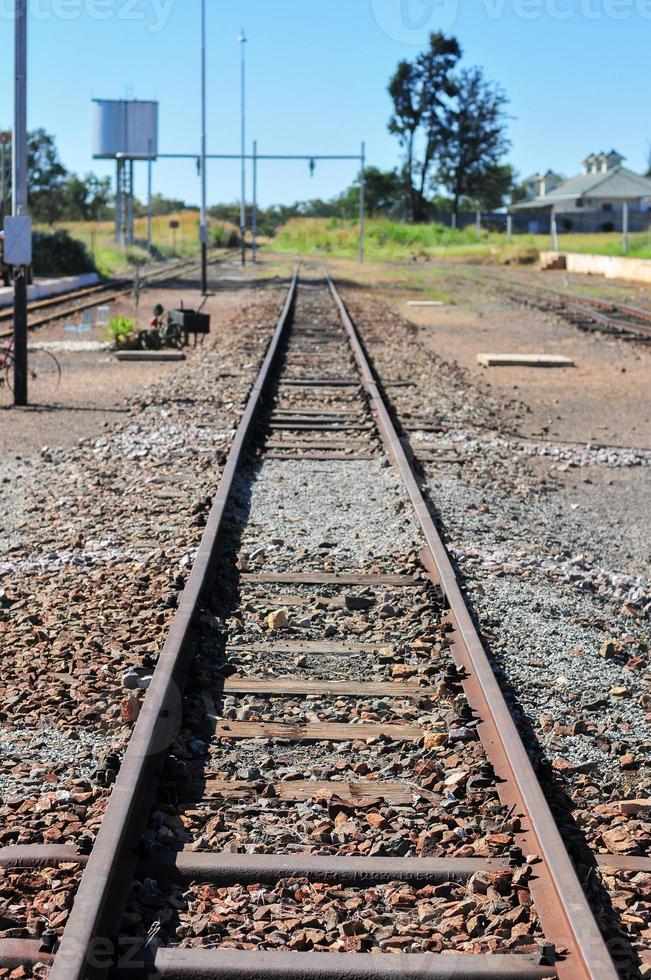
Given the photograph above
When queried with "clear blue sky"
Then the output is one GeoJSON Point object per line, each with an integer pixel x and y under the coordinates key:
{"type": "Point", "coordinates": [577, 73]}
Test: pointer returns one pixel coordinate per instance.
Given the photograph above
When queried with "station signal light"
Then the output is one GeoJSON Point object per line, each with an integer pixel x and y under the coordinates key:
{"type": "Point", "coordinates": [312, 167]}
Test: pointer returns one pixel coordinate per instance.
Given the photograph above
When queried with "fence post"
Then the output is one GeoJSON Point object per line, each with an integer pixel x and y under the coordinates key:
{"type": "Point", "coordinates": [554, 231]}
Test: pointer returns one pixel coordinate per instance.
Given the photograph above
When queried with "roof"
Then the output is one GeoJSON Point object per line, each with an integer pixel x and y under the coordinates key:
{"type": "Point", "coordinates": [619, 184]}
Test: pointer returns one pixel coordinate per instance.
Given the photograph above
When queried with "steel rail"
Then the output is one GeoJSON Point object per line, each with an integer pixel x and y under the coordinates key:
{"type": "Point", "coordinates": [603, 304]}
{"type": "Point", "coordinates": [6, 312]}
{"type": "Point", "coordinates": [103, 889]}
{"type": "Point", "coordinates": [583, 305]}
{"type": "Point", "coordinates": [87, 950]}
{"type": "Point", "coordinates": [563, 908]}
{"type": "Point", "coordinates": [103, 293]}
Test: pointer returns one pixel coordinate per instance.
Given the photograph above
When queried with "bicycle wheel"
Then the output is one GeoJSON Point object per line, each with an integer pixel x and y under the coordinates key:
{"type": "Point", "coordinates": [174, 336]}
{"type": "Point", "coordinates": [149, 340]}
{"type": "Point", "coordinates": [43, 374]}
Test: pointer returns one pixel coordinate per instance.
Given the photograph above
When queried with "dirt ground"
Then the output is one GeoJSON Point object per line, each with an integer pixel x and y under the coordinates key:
{"type": "Point", "coordinates": [605, 398]}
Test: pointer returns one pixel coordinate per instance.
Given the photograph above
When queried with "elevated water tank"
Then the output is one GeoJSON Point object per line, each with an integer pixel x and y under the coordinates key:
{"type": "Point", "coordinates": [125, 128]}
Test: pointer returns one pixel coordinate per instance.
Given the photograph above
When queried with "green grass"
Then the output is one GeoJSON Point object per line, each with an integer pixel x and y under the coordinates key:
{"type": "Point", "coordinates": [384, 239]}
{"type": "Point", "coordinates": [114, 260]}
{"type": "Point", "coordinates": [607, 243]}
{"type": "Point", "coordinates": [395, 241]}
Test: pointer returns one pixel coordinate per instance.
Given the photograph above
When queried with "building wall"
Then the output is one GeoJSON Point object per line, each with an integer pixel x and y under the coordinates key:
{"type": "Point", "coordinates": [580, 220]}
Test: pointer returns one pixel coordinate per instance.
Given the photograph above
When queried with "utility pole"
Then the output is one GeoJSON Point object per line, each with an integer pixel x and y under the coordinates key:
{"type": "Point", "coordinates": [625, 227]}
{"type": "Point", "coordinates": [19, 147]}
{"type": "Point", "coordinates": [362, 203]}
{"type": "Point", "coordinates": [242, 42]}
{"type": "Point", "coordinates": [203, 230]}
{"type": "Point", "coordinates": [254, 216]}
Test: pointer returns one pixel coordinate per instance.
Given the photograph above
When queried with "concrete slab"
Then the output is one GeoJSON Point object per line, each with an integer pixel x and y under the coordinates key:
{"type": "Point", "coordinates": [524, 360]}
{"type": "Point", "coordinates": [149, 355]}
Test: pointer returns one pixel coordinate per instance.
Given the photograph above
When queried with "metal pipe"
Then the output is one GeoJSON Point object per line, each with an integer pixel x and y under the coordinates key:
{"type": "Point", "coordinates": [149, 204]}
{"type": "Point", "coordinates": [261, 156]}
{"type": "Point", "coordinates": [242, 42]}
{"type": "Point", "coordinates": [254, 216]}
{"type": "Point", "coordinates": [19, 191]}
{"type": "Point", "coordinates": [203, 224]}
{"type": "Point", "coordinates": [362, 203]}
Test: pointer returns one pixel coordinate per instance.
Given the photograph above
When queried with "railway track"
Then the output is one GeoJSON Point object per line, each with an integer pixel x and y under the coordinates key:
{"type": "Point", "coordinates": [426, 845]}
{"type": "Point", "coordinates": [588, 313]}
{"type": "Point", "coordinates": [69, 304]}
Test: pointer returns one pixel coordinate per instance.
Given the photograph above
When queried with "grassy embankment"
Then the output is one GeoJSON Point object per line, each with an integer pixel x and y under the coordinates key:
{"type": "Point", "coordinates": [111, 259]}
{"type": "Point", "coordinates": [392, 240]}
{"type": "Point", "coordinates": [385, 241]}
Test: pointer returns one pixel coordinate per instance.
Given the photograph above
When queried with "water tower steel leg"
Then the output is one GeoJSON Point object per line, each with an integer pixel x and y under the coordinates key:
{"type": "Point", "coordinates": [130, 204]}
{"type": "Point", "coordinates": [149, 204]}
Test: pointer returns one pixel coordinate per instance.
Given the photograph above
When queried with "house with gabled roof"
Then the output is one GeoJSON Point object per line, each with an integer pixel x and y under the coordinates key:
{"type": "Point", "coordinates": [606, 188]}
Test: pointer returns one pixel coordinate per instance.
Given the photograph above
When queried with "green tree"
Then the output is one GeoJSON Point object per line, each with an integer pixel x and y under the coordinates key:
{"type": "Point", "coordinates": [46, 178]}
{"type": "Point", "coordinates": [470, 158]}
{"type": "Point", "coordinates": [162, 205]}
{"type": "Point", "coordinates": [497, 184]}
{"type": "Point", "coordinates": [384, 193]}
{"type": "Point", "coordinates": [420, 90]}
{"type": "Point", "coordinates": [86, 198]}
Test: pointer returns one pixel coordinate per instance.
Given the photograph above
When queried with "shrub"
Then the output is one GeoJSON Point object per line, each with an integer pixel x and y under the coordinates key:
{"type": "Point", "coordinates": [225, 236]}
{"type": "Point", "coordinates": [58, 254]}
{"type": "Point", "coordinates": [121, 330]}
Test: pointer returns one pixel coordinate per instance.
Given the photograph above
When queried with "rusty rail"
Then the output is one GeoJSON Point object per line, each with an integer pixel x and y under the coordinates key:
{"type": "Point", "coordinates": [95, 296]}
{"type": "Point", "coordinates": [561, 903]}
{"type": "Point", "coordinates": [105, 882]}
{"type": "Point", "coordinates": [638, 325]}
{"type": "Point", "coordinates": [88, 951]}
